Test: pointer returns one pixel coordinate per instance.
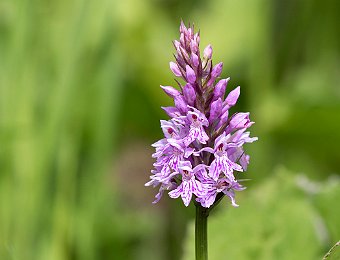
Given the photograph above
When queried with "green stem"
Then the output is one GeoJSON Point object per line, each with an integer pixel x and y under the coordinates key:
{"type": "Point", "coordinates": [201, 240]}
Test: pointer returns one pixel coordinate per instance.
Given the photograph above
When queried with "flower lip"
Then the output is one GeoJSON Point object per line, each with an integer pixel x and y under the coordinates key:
{"type": "Point", "coordinates": [186, 175]}
{"type": "Point", "coordinates": [222, 185]}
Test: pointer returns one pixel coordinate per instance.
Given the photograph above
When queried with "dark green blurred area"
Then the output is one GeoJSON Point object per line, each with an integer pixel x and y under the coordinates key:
{"type": "Point", "coordinates": [80, 105]}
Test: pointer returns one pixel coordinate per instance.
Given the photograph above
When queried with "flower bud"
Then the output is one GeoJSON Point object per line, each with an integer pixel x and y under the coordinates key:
{"type": "Point", "coordinates": [239, 120]}
{"type": "Point", "coordinates": [193, 46]}
{"type": "Point", "coordinates": [182, 28]}
{"type": "Point", "coordinates": [170, 91]}
{"type": "Point", "coordinates": [194, 60]}
{"type": "Point", "coordinates": [197, 38]}
{"type": "Point", "coordinates": [184, 53]}
{"type": "Point", "coordinates": [171, 111]}
{"type": "Point", "coordinates": [220, 88]}
{"type": "Point", "coordinates": [231, 99]}
{"type": "Point", "coordinates": [189, 94]}
{"type": "Point", "coordinates": [176, 44]}
{"type": "Point", "coordinates": [207, 53]}
{"type": "Point", "coordinates": [216, 71]}
{"type": "Point", "coordinates": [175, 70]}
{"type": "Point", "coordinates": [223, 119]}
{"type": "Point", "coordinates": [181, 104]}
{"type": "Point", "coordinates": [215, 110]}
{"type": "Point", "coordinates": [182, 39]}
{"type": "Point", "coordinates": [191, 77]}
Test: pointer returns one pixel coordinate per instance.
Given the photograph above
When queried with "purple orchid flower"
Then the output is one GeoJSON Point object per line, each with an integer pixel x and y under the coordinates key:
{"type": "Point", "coordinates": [213, 187]}
{"type": "Point", "coordinates": [222, 163]}
{"type": "Point", "coordinates": [189, 185]}
{"type": "Point", "coordinates": [197, 122]}
{"type": "Point", "coordinates": [203, 146]}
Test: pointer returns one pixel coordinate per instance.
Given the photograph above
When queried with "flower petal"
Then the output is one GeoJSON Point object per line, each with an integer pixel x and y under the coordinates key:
{"type": "Point", "coordinates": [187, 193]}
{"type": "Point", "coordinates": [176, 192]}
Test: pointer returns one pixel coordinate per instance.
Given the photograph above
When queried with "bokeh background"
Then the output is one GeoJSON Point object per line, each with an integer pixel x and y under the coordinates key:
{"type": "Point", "coordinates": [80, 105]}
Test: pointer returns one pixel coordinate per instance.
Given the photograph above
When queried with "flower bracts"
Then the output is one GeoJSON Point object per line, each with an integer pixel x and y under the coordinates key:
{"type": "Point", "coordinates": [201, 153]}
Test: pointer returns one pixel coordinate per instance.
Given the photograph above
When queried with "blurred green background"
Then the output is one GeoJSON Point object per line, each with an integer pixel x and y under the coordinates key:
{"type": "Point", "coordinates": [80, 105]}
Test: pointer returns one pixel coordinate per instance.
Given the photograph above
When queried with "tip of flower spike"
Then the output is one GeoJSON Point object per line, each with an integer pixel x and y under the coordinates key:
{"type": "Point", "coordinates": [182, 23]}
{"type": "Point", "coordinates": [182, 27]}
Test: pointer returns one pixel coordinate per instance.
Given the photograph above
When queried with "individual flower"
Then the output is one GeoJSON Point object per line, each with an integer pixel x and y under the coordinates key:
{"type": "Point", "coordinates": [196, 121]}
{"type": "Point", "coordinates": [221, 163]}
{"type": "Point", "coordinates": [226, 185]}
{"type": "Point", "coordinates": [189, 184]}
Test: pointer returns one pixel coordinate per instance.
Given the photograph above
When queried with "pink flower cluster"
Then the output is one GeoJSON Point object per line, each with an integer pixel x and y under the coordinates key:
{"type": "Point", "coordinates": [202, 150]}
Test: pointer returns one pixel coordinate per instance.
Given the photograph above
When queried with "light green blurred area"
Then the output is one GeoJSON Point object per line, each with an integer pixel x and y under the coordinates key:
{"type": "Point", "coordinates": [80, 106]}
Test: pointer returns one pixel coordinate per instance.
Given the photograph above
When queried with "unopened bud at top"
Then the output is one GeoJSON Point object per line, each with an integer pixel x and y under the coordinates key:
{"type": "Point", "coordinates": [190, 33]}
{"type": "Point", "coordinates": [184, 54]}
{"type": "Point", "coordinates": [193, 46]}
{"type": "Point", "coordinates": [182, 28]}
{"type": "Point", "coordinates": [182, 39]}
{"type": "Point", "coordinates": [195, 60]}
{"type": "Point", "coordinates": [191, 77]}
{"type": "Point", "coordinates": [197, 38]}
{"type": "Point", "coordinates": [207, 53]}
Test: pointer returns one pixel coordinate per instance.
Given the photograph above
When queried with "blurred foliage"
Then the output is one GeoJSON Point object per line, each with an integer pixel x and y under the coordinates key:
{"type": "Point", "coordinates": [80, 105]}
{"type": "Point", "coordinates": [278, 219]}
